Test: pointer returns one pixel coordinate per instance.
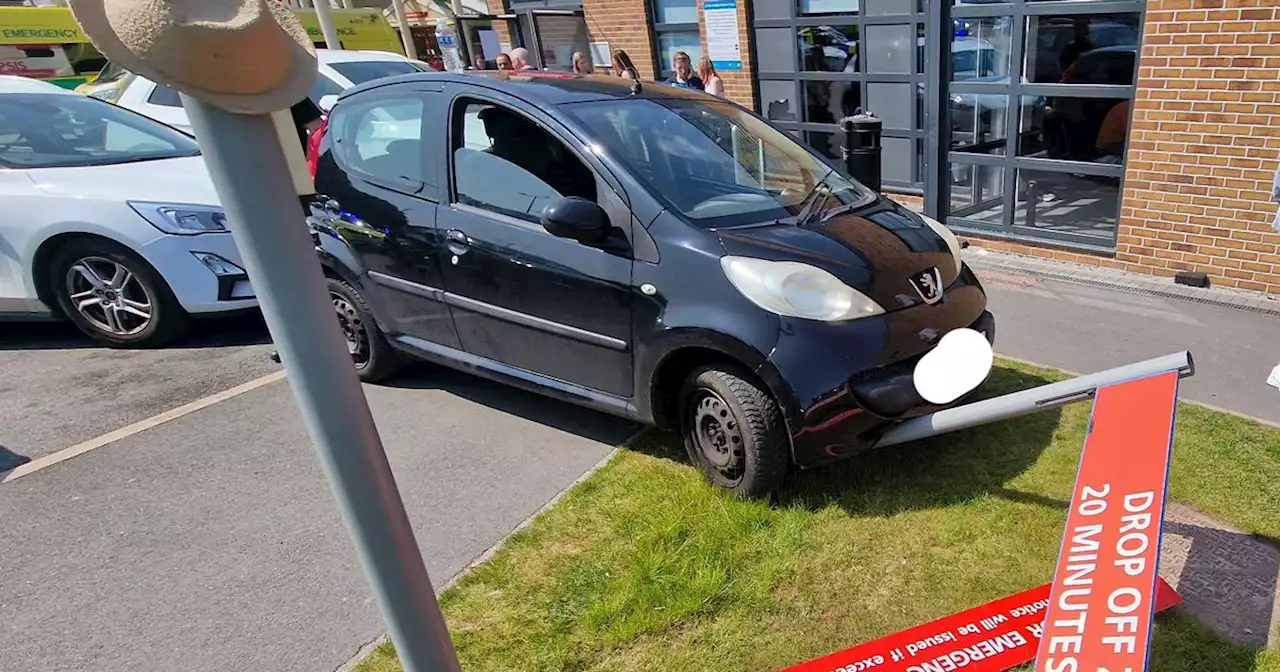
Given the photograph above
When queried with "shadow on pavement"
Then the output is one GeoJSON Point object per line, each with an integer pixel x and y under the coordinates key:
{"type": "Point", "coordinates": [239, 330]}
{"type": "Point", "coordinates": [11, 460]}
{"type": "Point", "coordinates": [564, 416]}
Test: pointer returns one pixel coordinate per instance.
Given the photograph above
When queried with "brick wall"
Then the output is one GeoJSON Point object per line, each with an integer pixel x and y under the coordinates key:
{"type": "Point", "coordinates": [737, 85]}
{"type": "Point", "coordinates": [1203, 147]}
{"type": "Point", "coordinates": [624, 24]}
{"type": "Point", "coordinates": [499, 27]}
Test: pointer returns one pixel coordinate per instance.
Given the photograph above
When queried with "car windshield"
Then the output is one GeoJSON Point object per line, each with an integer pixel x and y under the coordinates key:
{"type": "Point", "coordinates": [49, 130]}
{"type": "Point", "coordinates": [360, 72]}
{"type": "Point", "coordinates": [713, 163]}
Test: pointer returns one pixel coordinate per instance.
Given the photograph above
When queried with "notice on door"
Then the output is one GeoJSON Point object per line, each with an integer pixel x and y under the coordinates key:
{"type": "Point", "coordinates": [721, 28]}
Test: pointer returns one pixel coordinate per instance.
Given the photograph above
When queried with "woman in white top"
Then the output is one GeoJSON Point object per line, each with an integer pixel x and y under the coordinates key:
{"type": "Point", "coordinates": [711, 82]}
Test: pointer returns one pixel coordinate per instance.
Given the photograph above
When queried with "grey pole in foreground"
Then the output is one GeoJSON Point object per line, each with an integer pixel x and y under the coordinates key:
{"type": "Point", "coordinates": [323, 16]}
{"type": "Point", "coordinates": [406, 32]}
{"type": "Point", "coordinates": [1035, 399]}
{"type": "Point", "coordinates": [252, 178]}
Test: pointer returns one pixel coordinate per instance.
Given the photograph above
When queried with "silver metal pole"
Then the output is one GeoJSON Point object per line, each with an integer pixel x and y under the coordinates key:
{"type": "Point", "coordinates": [348, 4]}
{"type": "Point", "coordinates": [1029, 401]}
{"type": "Point", "coordinates": [252, 178]}
{"type": "Point", "coordinates": [406, 33]}
{"type": "Point", "coordinates": [331, 40]}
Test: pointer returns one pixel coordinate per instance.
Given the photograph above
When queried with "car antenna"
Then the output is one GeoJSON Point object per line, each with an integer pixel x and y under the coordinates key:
{"type": "Point", "coordinates": [635, 87]}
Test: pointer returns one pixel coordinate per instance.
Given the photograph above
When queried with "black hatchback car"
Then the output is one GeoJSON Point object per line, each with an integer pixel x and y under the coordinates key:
{"type": "Point", "coordinates": [647, 251]}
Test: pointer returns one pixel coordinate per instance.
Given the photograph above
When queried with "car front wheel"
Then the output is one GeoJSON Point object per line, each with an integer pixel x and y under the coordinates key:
{"type": "Point", "coordinates": [733, 431]}
{"type": "Point", "coordinates": [114, 296]}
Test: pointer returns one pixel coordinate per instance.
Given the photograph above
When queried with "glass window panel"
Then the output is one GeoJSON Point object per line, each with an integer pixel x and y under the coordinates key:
{"type": "Point", "coordinates": [829, 102]}
{"type": "Point", "coordinates": [560, 38]}
{"type": "Point", "coordinates": [919, 161]}
{"type": "Point", "coordinates": [1082, 49]}
{"type": "Point", "coordinates": [828, 6]}
{"type": "Point", "coordinates": [772, 9]}
{"type": "Point", "coordinates": [827, 144]}
{"type": "Point", "coordinates": [1074, 129]}
{"type": "Point", "coordinates": [1064, 203]}
{"type": "Point", "coordinates": [889, 48]}
{"type": "Point", "coordinates": [892, 102]}
{"type": "Point", "coordinates": [773, 48]}
{"type": "Point", "coordinates": [671, 42]}
{"type": "Point", "coordinates": [883, 7]}
{"type": "Point", "coordinates": [979, 122]}
{"type": "Point", "coordinates": [828, 48]}
{"type": "Point", "coordinates": [897, 158]}
{"type": "Point", "coordinates": [778, 100]}
{"type": "Point", "coordinates": [977, 192]}
{"type": "Point", "coordinates": [675, 11]}
{"type": "Point", "coordinates": [981, 49]}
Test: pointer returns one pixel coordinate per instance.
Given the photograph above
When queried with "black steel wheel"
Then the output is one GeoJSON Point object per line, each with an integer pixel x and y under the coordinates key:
{"type": "Point", "coordinates": [374, 358]}
{"type": "Point", "coordinates": [734, 431]}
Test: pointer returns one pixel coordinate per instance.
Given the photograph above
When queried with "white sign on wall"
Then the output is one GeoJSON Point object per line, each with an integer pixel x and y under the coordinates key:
{"type": "Point", "coordinates": [720, 19]}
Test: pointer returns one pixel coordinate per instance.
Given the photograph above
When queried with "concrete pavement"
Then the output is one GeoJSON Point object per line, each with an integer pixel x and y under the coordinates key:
{"type": "Point", "coordinates": [1086, 329]}
{"type": "Point", "coordinates": [213, 542]}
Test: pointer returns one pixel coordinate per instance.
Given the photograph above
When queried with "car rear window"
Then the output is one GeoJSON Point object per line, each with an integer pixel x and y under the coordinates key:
{"type": "Point", "coordinates": [360, 72]}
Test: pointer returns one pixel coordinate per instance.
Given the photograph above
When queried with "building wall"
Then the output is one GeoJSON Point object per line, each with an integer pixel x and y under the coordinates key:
{"type": "Point", "coordinates": [1203, 147]}
{"type": "Point", "coordinates": [624, 24]}
{"type": "Point", "coordinates": [500, 27]}
{"type": "Point", "coordinates": [738, 86]}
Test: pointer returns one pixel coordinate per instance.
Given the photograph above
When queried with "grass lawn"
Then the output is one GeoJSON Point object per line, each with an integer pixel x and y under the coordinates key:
{"type": "Point", "coordinates": [645, 567]}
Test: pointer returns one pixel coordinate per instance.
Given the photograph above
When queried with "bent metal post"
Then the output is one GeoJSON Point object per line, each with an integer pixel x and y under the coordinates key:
{"type": "Point", "coordinates": [1095, 616]}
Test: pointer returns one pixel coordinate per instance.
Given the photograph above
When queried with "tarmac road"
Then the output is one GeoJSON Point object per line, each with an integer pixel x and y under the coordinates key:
{"type": "Point", "coordinates": [211, 542]}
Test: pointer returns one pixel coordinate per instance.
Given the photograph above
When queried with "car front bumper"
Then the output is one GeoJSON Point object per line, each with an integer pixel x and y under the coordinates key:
{"type": "Point", "coordinates": [841, 386]}
{"type": "Point", "coordinates": [199, 289]}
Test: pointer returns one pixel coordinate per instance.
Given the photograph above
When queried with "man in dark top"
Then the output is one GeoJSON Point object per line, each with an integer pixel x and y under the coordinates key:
{"type": "Point", "coordinates": [684, 77]}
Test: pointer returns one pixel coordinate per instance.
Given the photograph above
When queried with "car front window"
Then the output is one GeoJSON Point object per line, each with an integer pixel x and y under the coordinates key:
{"type": "Point", "coordinates": [42, 130]}
{"type": "Point", "coordinates": [713, 163]}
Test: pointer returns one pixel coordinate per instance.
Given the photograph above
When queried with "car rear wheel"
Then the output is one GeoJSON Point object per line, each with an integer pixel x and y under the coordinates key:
{"type": "Point", "coordinates": [733, 430]}
{"type": "Point", "coordinates": [374, 358]}
{"type": "Point", "coordinates": [114, 296]}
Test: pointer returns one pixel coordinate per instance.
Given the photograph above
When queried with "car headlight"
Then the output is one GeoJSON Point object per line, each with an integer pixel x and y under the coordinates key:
{"type": "Point", "coordinates": [797, 290]}
{"type": "Point", "coordinates": [953, 243]}
{"type": "Point", "coordinates": [182, 220]}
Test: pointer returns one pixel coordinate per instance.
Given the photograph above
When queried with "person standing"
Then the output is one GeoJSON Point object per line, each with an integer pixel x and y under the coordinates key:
{"type": "Point", "coordinates": [520, 59]}
{"type": "Point", "coordinates": [710, 80]}
{"type": "Point", "coordinates": [622, 65]}
{"type": "Point", "coordinates": [684, 77]}
{"type": "Point", "coordinates": [581, 65]}
{"type": "Point", "coordinates": [504, 61]}
{"type": "Point", "coordinates": [480, 63]}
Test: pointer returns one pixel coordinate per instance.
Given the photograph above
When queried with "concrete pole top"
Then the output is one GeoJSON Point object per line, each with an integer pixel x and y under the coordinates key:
{"type": "Point", "coordinates": [241, 56]}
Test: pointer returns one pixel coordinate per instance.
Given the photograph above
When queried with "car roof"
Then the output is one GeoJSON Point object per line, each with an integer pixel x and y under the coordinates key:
{"type": "Point", "coordinates": [326, 56]}
{"type": "Point", "coordinates": [16, 84]}
{"type": "Point", "coordinates": [551, 88]}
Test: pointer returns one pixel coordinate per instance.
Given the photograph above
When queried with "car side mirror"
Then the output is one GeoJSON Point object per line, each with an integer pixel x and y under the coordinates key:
{"type": "Point", "coordinates": [327, 102]}
{"type": "Point", "coordinates": [576, 218]}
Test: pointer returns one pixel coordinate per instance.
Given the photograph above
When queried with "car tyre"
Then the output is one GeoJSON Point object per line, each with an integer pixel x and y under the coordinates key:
{"type": "Point", "coordinates": [373, 356]}
{"type": "Point", "coordinates": [114, 296]}
{"type": "Point", "coordinates": [734, 431]}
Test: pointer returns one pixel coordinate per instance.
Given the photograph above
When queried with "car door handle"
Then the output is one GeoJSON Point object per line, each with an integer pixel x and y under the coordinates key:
{"type": "Point", "coordinates": [457, 241]}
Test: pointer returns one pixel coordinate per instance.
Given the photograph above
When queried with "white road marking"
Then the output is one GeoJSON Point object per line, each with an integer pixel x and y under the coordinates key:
{"type": "Point", "coordinates": [137, 427]}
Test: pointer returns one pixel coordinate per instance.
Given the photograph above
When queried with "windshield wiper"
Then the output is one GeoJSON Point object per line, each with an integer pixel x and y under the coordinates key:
{"type": "Point", "coordinates": [817, 196]}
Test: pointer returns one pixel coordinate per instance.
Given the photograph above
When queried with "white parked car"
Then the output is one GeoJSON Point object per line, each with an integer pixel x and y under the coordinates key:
{"type": "Point", "coordinates": [339, 71]}
{"type": "Point", "coordinates": [110, 220]}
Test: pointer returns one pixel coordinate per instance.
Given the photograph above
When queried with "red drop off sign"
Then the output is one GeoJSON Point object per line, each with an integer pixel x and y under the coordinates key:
{"type": "Point", "coordinates": [1103, 596]}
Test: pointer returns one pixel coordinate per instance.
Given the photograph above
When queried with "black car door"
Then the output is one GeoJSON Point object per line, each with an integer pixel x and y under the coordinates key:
{"type": "Point", "coordinates": [386, 185]}
{"type": "Point", "coordinates": [520, 296]}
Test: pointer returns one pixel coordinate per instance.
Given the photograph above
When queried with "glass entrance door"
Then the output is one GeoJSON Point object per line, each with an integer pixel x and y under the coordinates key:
{"type": "Point", "coordinates": [558, 36]}
{"type": "Point", "coordinates": [1039, 104]}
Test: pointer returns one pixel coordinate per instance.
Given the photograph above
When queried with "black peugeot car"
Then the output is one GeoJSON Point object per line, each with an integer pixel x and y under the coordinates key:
{"type": "Point", "coordinates": [643, 250]}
